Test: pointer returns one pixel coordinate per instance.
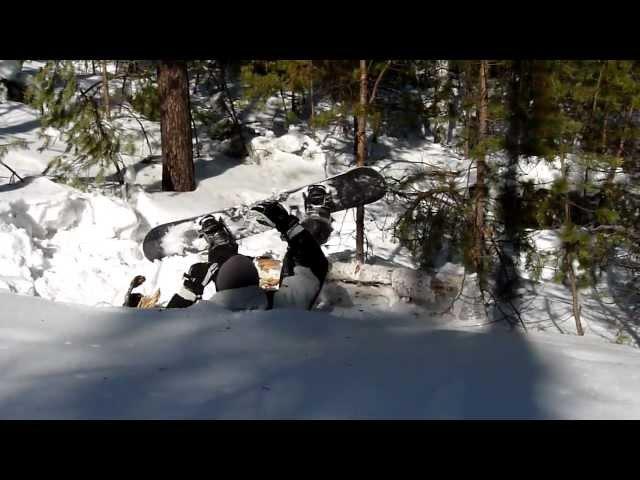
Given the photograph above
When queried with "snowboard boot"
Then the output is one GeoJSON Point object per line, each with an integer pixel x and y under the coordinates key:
{"type": "Point", "coordinates": [222, 243]}
{"type": "Point", "coordinates": [317, 208]}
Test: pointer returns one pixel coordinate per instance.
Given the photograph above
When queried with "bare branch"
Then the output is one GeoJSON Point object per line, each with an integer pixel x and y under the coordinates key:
{"type": "Point", "coordinates": [375, 85]}
{"type": "Point", "coordinates": [144, 132]}
{"type": "Point", "coordinates": [11, 170]}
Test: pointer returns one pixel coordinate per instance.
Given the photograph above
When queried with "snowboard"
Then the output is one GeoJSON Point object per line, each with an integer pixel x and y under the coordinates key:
{"type": "Point", "coordinates": [358, 186]}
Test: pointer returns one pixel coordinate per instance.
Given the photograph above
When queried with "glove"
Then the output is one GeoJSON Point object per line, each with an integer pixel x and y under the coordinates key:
{"type": "Point", "coordinates": [277, 215]}
{"type": "Point", "coordinates": [198, 276]}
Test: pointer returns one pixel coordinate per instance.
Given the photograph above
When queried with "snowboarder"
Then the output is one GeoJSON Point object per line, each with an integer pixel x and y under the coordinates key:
{"type": "Point", "coordinates": [235, 276]}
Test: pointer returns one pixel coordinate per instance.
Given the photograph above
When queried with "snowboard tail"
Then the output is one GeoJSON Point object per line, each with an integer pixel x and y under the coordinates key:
{"type": "Point", "coordinates": [358, 186]}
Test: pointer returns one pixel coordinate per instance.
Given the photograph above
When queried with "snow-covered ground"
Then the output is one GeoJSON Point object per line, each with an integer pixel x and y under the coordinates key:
{"type": "Point", "coordinates": [71, 361]}
{"type": "Point", "coordinates": [363, 354]}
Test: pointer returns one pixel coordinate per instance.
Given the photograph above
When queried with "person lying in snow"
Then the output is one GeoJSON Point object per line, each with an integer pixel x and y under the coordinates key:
{"type": "Point", "coordinates": [235, 276]}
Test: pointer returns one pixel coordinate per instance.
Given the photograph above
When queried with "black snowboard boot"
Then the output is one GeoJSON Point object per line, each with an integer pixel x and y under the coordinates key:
{"type": "Point", "coordinates": [222, 243]}
{"type": "Point", "coordinates": [317, 207]}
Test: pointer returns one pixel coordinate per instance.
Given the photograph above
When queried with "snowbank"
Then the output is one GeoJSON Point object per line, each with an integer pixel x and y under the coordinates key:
{"type": "Point", "coordinates": [62, 244]}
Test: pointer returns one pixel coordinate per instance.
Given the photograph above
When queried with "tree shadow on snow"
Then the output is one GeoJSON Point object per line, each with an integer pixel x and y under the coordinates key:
{"type": "Point", "coordinates": [391, 370]}
{"type": "Point", "coordinates": [23, 127]}
{"type": "Point", "coordinates": [626, 300]}
{"type": "Point", "coordinates": [205, 168]}
{"type": "Point", "coordinates": [277, 364]}
{"type": "Point", "coordinates": [10, 187]}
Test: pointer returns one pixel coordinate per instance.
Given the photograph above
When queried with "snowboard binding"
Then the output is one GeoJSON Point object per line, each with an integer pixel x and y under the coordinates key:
{"type": "Point", "coordinates": [216, 232]}
{"type": "Point", "coordinates": [317, 208]}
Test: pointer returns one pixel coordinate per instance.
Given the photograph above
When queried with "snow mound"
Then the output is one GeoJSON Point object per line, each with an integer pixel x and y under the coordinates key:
{"type": "Point", "coordinates": [412, 284]}
{"type": "Point", "coordinates": [292, 142]}
{"type": "Point", "coordinates": [66, 245]}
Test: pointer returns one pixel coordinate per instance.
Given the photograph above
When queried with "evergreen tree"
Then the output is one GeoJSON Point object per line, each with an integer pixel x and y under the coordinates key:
{"type": "Point", "coordinates": [92, 140]}
{"type": "Point", "coordinates": [593, 99]}
{"type": "Point", "coordinates": [95, 143]}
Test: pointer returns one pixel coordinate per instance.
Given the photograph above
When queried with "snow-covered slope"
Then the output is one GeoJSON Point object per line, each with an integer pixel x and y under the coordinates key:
{"type": "Point", "coordinates": [71, 361]}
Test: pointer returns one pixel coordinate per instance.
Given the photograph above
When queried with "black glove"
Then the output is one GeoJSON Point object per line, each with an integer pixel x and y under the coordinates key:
{"type": "Point", "coordinates": [198, 276]}
{"type": "Point", "coordinates": [277, 214]}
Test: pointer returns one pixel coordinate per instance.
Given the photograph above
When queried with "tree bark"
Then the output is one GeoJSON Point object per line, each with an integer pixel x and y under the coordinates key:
{"type": "Point", "coordinates": [361, 157]}
{"type": "Point", "coordinates": [480, 199]}
{"type": "Point", "coordinates": [175, 127]}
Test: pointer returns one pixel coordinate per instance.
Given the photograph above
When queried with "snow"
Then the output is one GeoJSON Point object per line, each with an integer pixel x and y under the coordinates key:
{"type": "Point", "coordinates": [68, 350]}
{"type": "Point", "coordinates": [9, 69]}
{"type": "Point", "coordinates": [539, 171]}
{"type": "Point", "coordinates": [291, 142]}
{"type": "Point", "coordinates": [19, 122]}
{"type": "Point", "coordinates": [74, 362]}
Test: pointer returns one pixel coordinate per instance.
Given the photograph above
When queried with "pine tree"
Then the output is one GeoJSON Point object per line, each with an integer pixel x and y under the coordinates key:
{"type": "Point", "coordinates": [584, 203]}
{"type": "Point", "coordinates": [92, 140]}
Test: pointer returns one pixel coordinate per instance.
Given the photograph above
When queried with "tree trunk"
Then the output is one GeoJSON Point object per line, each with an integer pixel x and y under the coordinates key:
{"type": "Point", "coordinates": [611, 174]}
{"type": "Point", "coordinates": [195, 133]}
{"type": "Point", "coordinates": [221, 80]}
{"type": "Point", "coordinates": [480, 199]}
{"type": "Point", "coordinates": [311, 93]}
{"type": "Point", "coordinates": [597, 92]}
{"type": "Point", "coordinates": [465, 86]}
{"type": "Point", "coordinates": [284, 103]}
{"type": "Point", "coordinates": [603, 139]}
{"type": "Point", "coordinates": [568, 258]}
{"type": "Point", "coordinates": [105, 90]}
{"type": "Point", "coordinates": [509, 199]}
{"type": "Point", "coordinates": [361, 157]}
{"type": "Point", "coordinates": [175, 127]}
{"type": "Point", "coordinates": [574, 295]}
{"type": "Point", "coordinates": [592, 116]}
{"type": "Point", "coordinates": [195, 84]}
{"type": "Point", "coordinates": [355, 136]}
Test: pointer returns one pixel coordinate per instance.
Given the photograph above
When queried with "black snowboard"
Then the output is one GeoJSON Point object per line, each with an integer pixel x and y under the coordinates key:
{"type": "Point", "coordinates": [358, 186]}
